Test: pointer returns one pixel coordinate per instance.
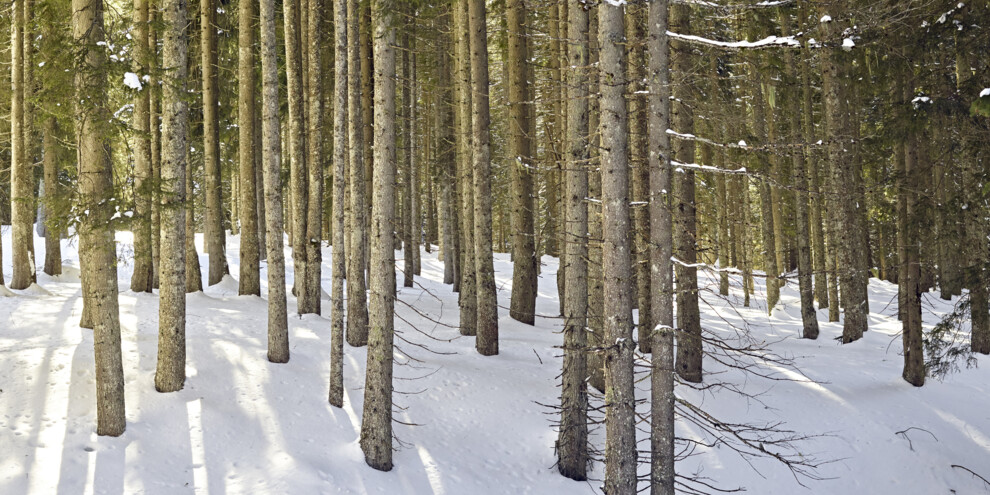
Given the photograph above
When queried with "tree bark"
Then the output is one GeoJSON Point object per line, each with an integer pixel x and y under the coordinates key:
{"type": "Point", "coordinates": [194, 276]}
{"type": "Point", "coordinates": [572, 442]}
{"type": "Point", "coordinates": [22, 194]}
{"type": "Point", "coordinates": [467, 300]}
{"type": "Point", "coordinates": [143, 277]}
{"type": "Point", "coordinates": [620, 413]}
{"type": "Point", "coordinates": [636, 106]}
{"type": "Point", "coordinates": [357, 305]}
{"type": "Point", "coordinates": [250, 282]}
{"type": "Point", "coordinates": [97, 253]}
{"type": "Point", "coordinates": [214, 235]}
{"type": "Point", "coordinates": [312, 289]}
{"type": "Point", "coordinates": [278, 333]}
{"type": "Point", "coordinates": [338, 254]}
{"type": "Point", "coordinates": [522, 306]}
{"type": "Point", "coordinates": [487, 305]}
{"type": "Point", "coordinates": [661, 249]}
{"type": "Point", "coordinates": [53, 196]}
{"type": "Point", "coordinates": [170, 374]}
{"type": "Point", "coordinates": [298, 178]}
{"type": "Point", "coordinates": [376, 422]}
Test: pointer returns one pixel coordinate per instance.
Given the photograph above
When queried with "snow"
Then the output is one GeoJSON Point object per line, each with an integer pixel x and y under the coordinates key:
{"type": "Point", "coordinates": [244, 425]}
{"type": "Point", "coordinates": [825, 18]}
{"type": "Point", "coordinates": [765, 42]}
{"type": "Point", "coordinates": [985, 92]}
{"type": "Point", "coordinates": [848, 44]}
{"type": "Point", "coordinates": [131, 80]}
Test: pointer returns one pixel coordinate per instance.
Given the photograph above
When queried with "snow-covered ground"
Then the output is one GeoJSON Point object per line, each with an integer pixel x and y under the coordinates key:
{"type": "Point", "coordinates": [244, 425]}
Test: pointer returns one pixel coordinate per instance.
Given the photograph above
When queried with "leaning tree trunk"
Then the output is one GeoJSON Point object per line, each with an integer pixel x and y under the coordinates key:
{"type": "Point", "coordinates": [250, 282]}
{"type": "Point", "coordinates": [97, 253]}
{"type": "Point", "coordinates": [213, 229]}
{"type": "Point", "coordinates": [143, 277]}
{"type": "Point", "coordinates": [357, 302]}
{"type": "Point", "coordinates": [522, 306]}
{"type": "Point", "coordinates": [170, 374]}
{"type": "Point", "coordinates": [572, 442]}
{"type": "Point", "coordinates": [620, 412]}
{"type": "Point", "coordinates": [338, 253]}
{"type": "Point", "coordinates": [661, 250]}
{"type": "Point", "coordinates": [487, 306]}
{"type": "Point", "coordinates": [376, 422]}
{"type": "Point", "coordinates": [278, 332]}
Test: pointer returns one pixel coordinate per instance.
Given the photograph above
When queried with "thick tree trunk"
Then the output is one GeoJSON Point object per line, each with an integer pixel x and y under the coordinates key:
{"type": "Point", "coordinates": [572, 442]}
{"type": "Point", "coordinates": [661, 250]}
{"type": "Point", "coordinates": [213, 231]}
{"type": "Point", "coordinates": [685, 231]}
{"type": "Point", "coordinates": [620, 411]}
{"type": "Point", "coordinates": [522, 306]}
{"type": "Point", "coordinates": [97, 253]}
{"type": "Point", "coordinates": [376, 422]}
{"type": "Point", "coordinates": [357, 302]}
{"type": "Point", "coordinates": [142, 278]}
{"type": "Point", "coordinates": [250, 282]}
{"type": "Point", "coordinates": [911, 333]}
{"type": "Point", "coordinates": [170, 374]}
{"type": "Point", "coordinates": [338, 254]}
{"type": "Point", "coordinates": [278, 333]}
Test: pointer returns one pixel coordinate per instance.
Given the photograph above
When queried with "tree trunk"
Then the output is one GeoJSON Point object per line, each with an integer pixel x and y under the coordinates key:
{"type": "Point", "coordinates": [142, 278]}
{"type": "Point", "coordinates": [685, 249]}
{"type": "Point", "coordinates": [338, 254]}
{"type": "Point", "coordinates": [97, 253]}
{"type": "Point", "coordinates": [53, 196]}
{"type": "Point", "coordinates": [357, 302]}
{"type": "Point", "coordinates": [446, 160]}
{"type": "Point", "coordinates": [22, 195]}
{"type": "Point", "coordinates": [467, 299]}
{"type": "Point", "coordinates": [522, 306]}
{"type": "Point", "coordinates": [376, 422]}
{"type": "Point", "coordinates": [408, 270]}
{"type": "Point", "coordinates": [572, 442]}
{"type": "Point", "coordinates": [194, 276]}
{"type": "Point", "coordinates": [620, 413]}
{"type": "Point", "coordinates": [278, 333]}
{"type": "Point", "coordinates": [312, 289]}
{"type": "Point", "coordinates": [911, 333]}
{"type": "Point", "coordinates": [661, 244]}
{"type": "Point", "coordinates": [636, 105]}
{"type": "Point", "coordinates": [170, 374]}
{"type": "Point", "coordinates": [487, 305]}
{"type": "Point", "coordinates": [298, 178]}
{"type": "Point", "coordinates": [250, 283]}
{"type": "Point", "coordinates": [214, 235]}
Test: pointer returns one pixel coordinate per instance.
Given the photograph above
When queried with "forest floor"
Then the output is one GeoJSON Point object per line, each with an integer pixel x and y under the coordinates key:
{"type": "Point", "coordinates": [475, 424]}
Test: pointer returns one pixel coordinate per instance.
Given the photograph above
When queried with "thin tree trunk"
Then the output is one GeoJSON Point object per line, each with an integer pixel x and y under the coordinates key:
{"type": "Point", "coordinates": [194, 276]}
{"type": "Point", "coordinates": [142, 278]}
{"type": "Point", "coordinates": [53, 195]}
{"type": "Point", "coordinates": [487, 305]}
{"type": "Point", "coordinates": [417, 223]}
{"type": "Point", "coordinates": [407, 176]}
{"type": "Point", "coordinates": [636, 105]}
{"type": "Point", "coordinates": [312, 290]}
{"type": "Point", "coordinates": [446, 160]}
{"type": "Point", "coordinates": [170, 374]}
{"type": "Point", "coordinates": [357, 302]}
{"type": "Point", "coordinates": [22, 195]}
{"type": "Point", "coordinates": [214, 235]}
{"type": "Point", "coordinates": [250, 282]}
{"type": "Point", "coordinates": [278, 333]}
{"type": "Point", "coordinates": [376, 421]}
{"type": "Point", "coordinates": [97, 253]}
{"type": "Point", "coordinates": [572, 442]}
{"type": "Point", "coordinates": [298, 178]}
{"type": "Point", "coordinates": [154, 121]}
{"type": "Point", "coordinates": [467, 299]}
{"type": "Point", "coordinates": [338, 254]}
{"type": "Point", "coordinates": [596, 296]}
{"type": "Point", "coordinates": [911, 334]}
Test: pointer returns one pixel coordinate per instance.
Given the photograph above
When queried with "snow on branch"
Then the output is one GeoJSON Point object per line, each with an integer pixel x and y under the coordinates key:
{"type": "Point", "coordinates": [709, 168]}
{"type": "Point", "coordinates": [769, 41]}
{"type": "Point", "coordinates": [715, 5]}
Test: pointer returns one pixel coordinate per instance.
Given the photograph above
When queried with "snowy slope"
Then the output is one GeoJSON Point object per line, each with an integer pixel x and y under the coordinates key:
{"type": "Point", "coordinates": [243, 425]}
